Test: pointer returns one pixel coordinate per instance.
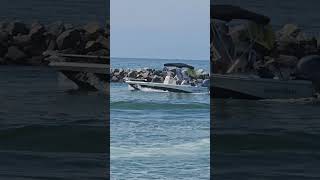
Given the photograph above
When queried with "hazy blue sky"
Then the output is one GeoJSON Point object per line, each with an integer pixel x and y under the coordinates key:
{"type": "Point", "coordinates": [170, 29]}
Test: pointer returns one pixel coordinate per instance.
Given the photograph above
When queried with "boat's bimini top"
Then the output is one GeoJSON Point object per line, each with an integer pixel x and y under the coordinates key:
{"type": "Point", "coordinates": [229, 13]}
{"type": "Point", "coordinates": [178, 65]}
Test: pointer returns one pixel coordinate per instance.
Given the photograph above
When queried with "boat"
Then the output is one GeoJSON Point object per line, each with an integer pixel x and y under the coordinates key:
{"type": "Point", "coordinates": [170, 83]}
{"type": "Point", "coordinates": [236, 85]}
{"type": "Point", "coordinates": [75, 71]}
{"type": "Point", "coordinates": [256, 88]}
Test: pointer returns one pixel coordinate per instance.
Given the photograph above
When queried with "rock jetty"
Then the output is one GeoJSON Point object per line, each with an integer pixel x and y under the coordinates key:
{"type": "Point", "coordinates": [24, 44]}
{"type": "Point", "coordinates": [119, 75]}
{"type": "Point", "coordinates": [274, 54]}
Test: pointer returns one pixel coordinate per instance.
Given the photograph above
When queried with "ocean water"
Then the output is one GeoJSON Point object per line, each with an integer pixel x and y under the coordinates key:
{"type": "Point", "coordinates": [136, 63]}
{"type": "Point", "coordinates": [48, 132]}
{"type": "Point", "coordinates": [270, 139]}
{"type": "Point", "coordinates": [158, 135]}
{"type": "Point", "coordinates": [48, 11]}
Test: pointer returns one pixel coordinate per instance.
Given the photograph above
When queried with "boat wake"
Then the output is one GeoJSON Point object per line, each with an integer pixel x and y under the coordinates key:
{"type": "Point", "coordinates": [191, 148]}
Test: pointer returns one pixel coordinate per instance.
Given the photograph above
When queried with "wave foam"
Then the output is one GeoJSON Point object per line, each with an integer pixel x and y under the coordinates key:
{"type": "Point", "coordinates": [190, 148]}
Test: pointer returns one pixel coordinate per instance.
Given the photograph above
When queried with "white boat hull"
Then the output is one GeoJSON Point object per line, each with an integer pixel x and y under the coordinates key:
{"type": "Point", "coordinates": [138, 85]}
{"type": "Point", "coordinates": [238, 87]}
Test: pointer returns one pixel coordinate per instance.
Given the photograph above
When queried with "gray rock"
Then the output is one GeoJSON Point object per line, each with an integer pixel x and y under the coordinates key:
{"type": "Point", "coordinates": [36, 48]}
{"type": "Point", "coordinates": [35, 60]}
{"type": "Point", "coordinates": [93, 28]}
{"type": "Point", "coordinates": [157, 79]}
{"type": "Point", "coordinates": [68, 26]}
{"type": "Point", "coordinates": [17, 27]}
{"type": "Point", "coordinates": [92, 46]}
{"type": "Point", "coordinates": [4, 36]}
{"type": "Point", "coordinates": [52, 45]}
{"type": "Point", "coordinates": [158, 73]}
{"type": "Point", "coordinates": [132, 74]}
{"type": "Point", "coordinates": [36, 31]}
{"type": "Point", "coordinates": [3, 49]}
{"type": "Point", "coordinates": [21, 40]}
{"type": "Point", "coordinates": [104, 42]}
{"type": "Point", "coordinates": [69, 39]}
{"type": "Point", "coordinates": [114, 79]}
{"type": "Point", "coordinates": [2, 61]}
{"type": "Point", "coordinates": [3, 25]}
{"type": "Point", "coordinates": [146, 74]}
{"type": "Point", "coordinates": [15, 54]}
{"type": "Point", "coordinates": [55, 29]}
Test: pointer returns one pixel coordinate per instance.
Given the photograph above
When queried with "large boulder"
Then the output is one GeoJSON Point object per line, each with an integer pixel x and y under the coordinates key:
{"type": "Point", "coordinates": [16, 27]}
{"type": "Point", "coordinates": [37, 31]}
{"type": "Point", "coordinates": [104, 42]}
{"type": "Point", "coordinates": [146, 75]}
{"type": "Point", "coordinates": [69, 39]}
{"type": "Point", "coordinates": [68, 26]}
{"type": "Point", "coordinates": [93, 29]}
{"type": "Point", "coordinates": [3, 49]}
{"type": "Point", "coordinates": [4, 25]}
{"type": "Point", "coordinates": [157, 79]}
{"type": "Point", "coordinates": [55, 29]}
{"type": "Point", "coordinates": [35, 60]}
{"type": "Point", "coordinates": [132, 74]}
{"type": "Point", "coordinates": [52, 45]}
{"type": "Point", "coordinates": [21, 40]}
{"type": "Point", "coordinates": [92, 46]}
{"type": "Point", "coordinates": [15, 55]}
{"type": "Point", "coordinates": [4, 36]}
{"type": "Point", "coordinates": [2, 61]}
{"type": "Point", "coordinates": [35, 48]}
{"type": "Point", "coordinates": [114, 79]}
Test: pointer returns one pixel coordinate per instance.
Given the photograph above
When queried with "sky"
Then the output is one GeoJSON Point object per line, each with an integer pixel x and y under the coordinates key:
{"type": "Point", "coordinates": [166, 29]}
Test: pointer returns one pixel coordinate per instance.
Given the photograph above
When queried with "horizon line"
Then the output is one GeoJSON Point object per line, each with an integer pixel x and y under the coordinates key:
{"type": "Point", "coordinates": [161, 58]}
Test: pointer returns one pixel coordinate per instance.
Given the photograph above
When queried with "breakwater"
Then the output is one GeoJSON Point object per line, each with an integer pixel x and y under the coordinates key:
{"type": "Point", "coordinates": [24, 44]}
{"type": "Point", "coordinates": [148, 74]}
{"type": "Point", "coordinates": [269, 53]}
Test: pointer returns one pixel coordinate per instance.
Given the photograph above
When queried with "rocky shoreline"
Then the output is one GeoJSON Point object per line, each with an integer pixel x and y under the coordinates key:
{"type": "Point", "coordinates": [266, 52]}
{"type": "Point", "coordinates": [24, 44]}
{"type": "Point", "coordinates": [119, 75]}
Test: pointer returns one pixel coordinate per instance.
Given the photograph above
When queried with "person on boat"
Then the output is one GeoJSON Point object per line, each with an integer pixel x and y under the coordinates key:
{"type": "Point", "coordinates": [179, 76]}
{"type": "Point", "coordinates": [186, 78]}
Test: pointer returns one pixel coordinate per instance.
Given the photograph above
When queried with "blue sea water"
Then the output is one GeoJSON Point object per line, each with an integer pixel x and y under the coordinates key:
{"type": "Point", "coordinates": [158, 135]}
{"type": "Point", "coordinates": [47, 132]}
{"type": "Point", "coordinates": [48, 11]}
{"type": "Point", "coordinates": [136, 63]}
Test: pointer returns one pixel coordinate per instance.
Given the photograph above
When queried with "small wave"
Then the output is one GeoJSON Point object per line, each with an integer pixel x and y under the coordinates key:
{"type": "Point", "coordinates": [290, 141]}
{"type": "Point", "coordinates": [165, 91]}
{"type": "Point", "coordinates": [190, 148]}
{"type": "Point", "coordinates": [310, 101]}
{"type": "Point", "coordinates": [63, 138]}
{"type": "Point", "coordinates": [156, 106]}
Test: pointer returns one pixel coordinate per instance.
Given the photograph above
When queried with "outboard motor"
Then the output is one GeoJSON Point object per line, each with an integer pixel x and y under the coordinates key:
{"type": "Point", "coordinates": [309, 69]}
